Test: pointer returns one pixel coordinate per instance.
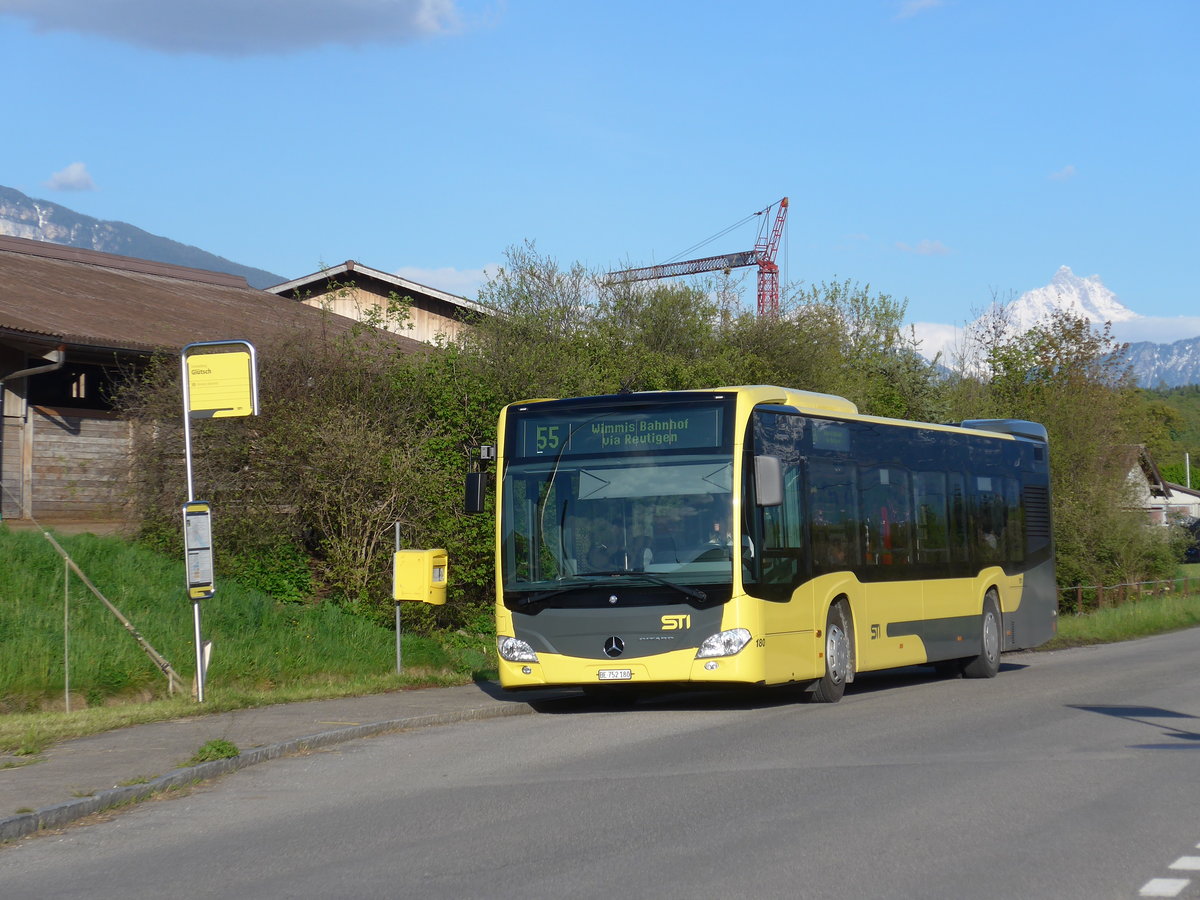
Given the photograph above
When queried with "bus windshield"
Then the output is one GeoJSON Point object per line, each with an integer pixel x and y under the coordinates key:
{"type": "Point", "coordinates": [611, 490]}
{"type": "Point", "coordinates": [586, 518]}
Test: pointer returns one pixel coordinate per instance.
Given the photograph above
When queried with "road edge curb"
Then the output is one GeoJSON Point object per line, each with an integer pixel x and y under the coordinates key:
{"type": "Point", "coordinates": [61, 814]}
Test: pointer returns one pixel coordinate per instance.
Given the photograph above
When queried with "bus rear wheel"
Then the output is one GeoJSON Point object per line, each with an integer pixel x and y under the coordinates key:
{"type": "Point", "coordinates": [839, 657]}
{"type": "Point", "coordinates": [987, 663]}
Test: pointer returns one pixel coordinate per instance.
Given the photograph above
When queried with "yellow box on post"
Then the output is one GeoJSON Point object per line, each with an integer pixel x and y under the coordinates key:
{"type": "Point", "coordinates": [420, 575]}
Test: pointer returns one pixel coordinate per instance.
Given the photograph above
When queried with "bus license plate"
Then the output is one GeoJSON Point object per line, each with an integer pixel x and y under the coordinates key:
{"type": "Point", "coordinates": [615, 674]}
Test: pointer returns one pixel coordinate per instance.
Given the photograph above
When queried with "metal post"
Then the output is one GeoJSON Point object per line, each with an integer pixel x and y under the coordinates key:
{"type": "Point", "coordinates": [399, 656]}
{"type": "Point", "coordinates": [67, 635]}
{"type": "Point", "coordinates": [191, 496]}
{"type": "Point", "coordinates": [199, 652]}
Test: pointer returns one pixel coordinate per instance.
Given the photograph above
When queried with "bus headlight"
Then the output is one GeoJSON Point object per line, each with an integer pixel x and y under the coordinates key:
{"type": "Point", "coordinates": [724, 643]}
{"type": "Point", "coordinates": [514, 650]}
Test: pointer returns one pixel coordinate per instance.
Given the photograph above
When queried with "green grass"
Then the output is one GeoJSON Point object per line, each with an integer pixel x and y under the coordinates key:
{"type": "Point", "coordinates": [263, 651]}
{"type": "Point", "coordinates": [1152, 614]}
{"type": "Point", "coordinates": [218, 748]}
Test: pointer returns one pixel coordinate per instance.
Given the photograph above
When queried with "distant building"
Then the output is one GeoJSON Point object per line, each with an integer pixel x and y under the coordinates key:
{"type": "Point", "coordinates": [360, 292]}
{"type": "Point", "coordinates": [1165, 503]}
{"type": "Point", "coordinates": [72, 322]}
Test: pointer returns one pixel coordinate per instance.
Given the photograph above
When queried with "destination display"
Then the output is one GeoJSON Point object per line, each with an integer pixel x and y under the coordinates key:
{"type": "Point", "coordinates": [591, 433]}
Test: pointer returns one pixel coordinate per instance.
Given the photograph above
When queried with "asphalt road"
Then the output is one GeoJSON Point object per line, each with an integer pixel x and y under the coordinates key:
{"type": "Point", "coordinates": [1072, 775]}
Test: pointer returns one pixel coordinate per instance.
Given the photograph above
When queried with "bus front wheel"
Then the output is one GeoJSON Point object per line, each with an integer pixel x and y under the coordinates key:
{"type": "Point", "coordinates": [987, 663]}
{"type": "Point", "coordinates": [839, 657]}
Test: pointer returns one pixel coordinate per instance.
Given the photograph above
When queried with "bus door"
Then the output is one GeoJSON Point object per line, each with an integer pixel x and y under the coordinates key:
{"type": "Point", "coordinates": [894, 605]}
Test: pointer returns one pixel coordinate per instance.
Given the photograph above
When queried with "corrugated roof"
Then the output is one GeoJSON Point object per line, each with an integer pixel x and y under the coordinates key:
{"type": "Point", "coordinates": [89, 299]}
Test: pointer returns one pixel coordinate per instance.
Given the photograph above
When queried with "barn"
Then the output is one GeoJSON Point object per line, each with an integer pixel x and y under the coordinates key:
{"type": "Point", "coordinates": [72, 323]}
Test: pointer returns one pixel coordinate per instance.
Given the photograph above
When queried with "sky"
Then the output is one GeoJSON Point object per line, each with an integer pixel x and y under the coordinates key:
{"type": "Point", "coordinates": [945, 152]}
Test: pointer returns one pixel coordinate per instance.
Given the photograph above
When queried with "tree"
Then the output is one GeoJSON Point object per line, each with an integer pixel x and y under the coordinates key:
{"type": "Point", "coordinates": [1076, 381]}
{"type": "Point", "coordinates": [839, 338]}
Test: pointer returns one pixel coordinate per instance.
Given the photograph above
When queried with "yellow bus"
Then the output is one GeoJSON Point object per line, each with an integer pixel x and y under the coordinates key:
{"type": "Point", "coordinates": [760, 535]}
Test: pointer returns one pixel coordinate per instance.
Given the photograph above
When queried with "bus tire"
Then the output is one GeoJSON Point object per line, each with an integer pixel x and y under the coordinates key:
{"type": "Point", "coordinates": [839, 656]}
{"type": "Point", "coordinates": [987, 663]}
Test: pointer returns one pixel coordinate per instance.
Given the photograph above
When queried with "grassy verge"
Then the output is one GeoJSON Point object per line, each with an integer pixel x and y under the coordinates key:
{"type": "Point", "coordinates": [264, 651]}
{"type": "Point", "coordinates": [1139, 618]}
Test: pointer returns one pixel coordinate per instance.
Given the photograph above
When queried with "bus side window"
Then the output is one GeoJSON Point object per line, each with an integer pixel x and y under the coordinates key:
{"type": "Point", "coordinates": [959, 531]}
{"type": "Point", "coordinates": [779, 560]}
{"type": "Point", "coordinates": [1016, 520]}
{"type": "Point", "coordinates": [783, 533]}
{"type": "Point", "coordinates": [887, 515]}
{"type": "Point", "coordinates": [833, 515]}
{"type": "Point", "coordinates": [933, 535]}
{"type": "Point", "coordinates": [989, 519]}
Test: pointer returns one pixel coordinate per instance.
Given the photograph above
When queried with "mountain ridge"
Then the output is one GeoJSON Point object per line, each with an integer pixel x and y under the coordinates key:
{"type": "Point", "coordinates": [1165, 365]}
{"type": "Point", "coordinates": [43, 220]}
{"type": "Point", "coordinates": [1154, 364]}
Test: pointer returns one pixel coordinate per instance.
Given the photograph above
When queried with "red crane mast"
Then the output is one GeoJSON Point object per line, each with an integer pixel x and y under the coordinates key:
{"type": "Point", "coordinates": [763, 256]}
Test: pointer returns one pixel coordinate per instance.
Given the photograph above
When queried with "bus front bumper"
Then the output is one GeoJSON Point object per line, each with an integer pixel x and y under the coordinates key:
{"type": "Point", "coordinates": [678, 667]}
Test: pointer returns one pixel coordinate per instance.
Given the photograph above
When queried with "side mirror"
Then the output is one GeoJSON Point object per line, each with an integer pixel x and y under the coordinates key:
{"type": "Point", "coordinates": [768, 481]}
{"type": "Point", "coordinates": [477, 483]}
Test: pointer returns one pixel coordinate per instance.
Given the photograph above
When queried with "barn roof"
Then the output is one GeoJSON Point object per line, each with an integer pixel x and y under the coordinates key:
{"type": "Point", "coordinates": [351, 271]}
{"type": "Point", "coordinates": [52, 294]}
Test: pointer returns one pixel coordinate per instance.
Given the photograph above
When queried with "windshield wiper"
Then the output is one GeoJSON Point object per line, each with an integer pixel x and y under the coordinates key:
{"type": "Point", "coordinates": [541, 596]}
{"type": "Point", "coordinates": [694, 593]}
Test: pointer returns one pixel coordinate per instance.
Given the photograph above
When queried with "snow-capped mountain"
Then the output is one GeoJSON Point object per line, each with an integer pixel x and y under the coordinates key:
{"type": "Point", "coordinates": [1086, 297]}
{"type": "Point", "coordinates": [1166, 365]}
{"type": "Point", "coordinates": [1154, 364]}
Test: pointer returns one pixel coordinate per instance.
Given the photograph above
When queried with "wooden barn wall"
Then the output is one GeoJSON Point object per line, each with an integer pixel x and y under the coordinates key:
{"type": "Point", "coordinates": [80, 463]}
{"type": "Point", "coordinates": [10, 468]}
{"type": "Point", "coordinates": [12, 410]}
{"type": "Point", "coordinates": [428, 317]}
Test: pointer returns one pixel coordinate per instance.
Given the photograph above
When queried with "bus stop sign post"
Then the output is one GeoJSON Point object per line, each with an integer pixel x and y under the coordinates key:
{"type": "Point", "coordinates": [399, 654]}
{"type": "Point", "coordinates": [220, 380]}
{"type": "Point", "coordinates": [197, 542]}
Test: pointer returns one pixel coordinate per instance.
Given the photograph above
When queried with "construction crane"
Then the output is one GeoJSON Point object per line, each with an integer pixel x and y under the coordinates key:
{"type": "Point", "coordinates": [763, 256]}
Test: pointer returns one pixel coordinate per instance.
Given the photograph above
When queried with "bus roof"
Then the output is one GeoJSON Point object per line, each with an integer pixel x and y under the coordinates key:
{"type": "Point", "coordinates": [831, 404]}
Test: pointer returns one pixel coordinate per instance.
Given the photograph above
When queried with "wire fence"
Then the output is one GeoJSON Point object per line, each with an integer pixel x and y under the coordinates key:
{"type": "Point", "coordinates": [1082, 598]}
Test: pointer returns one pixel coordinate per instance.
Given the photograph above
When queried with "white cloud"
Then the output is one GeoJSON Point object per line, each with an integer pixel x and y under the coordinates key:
{"type": "Point", "coordinates": [242, 27]}
{"type": "Point", "coordinates": [935, 338]}
{"type": "Point", "coordinates": [924, 248]}
{"type": "Point", "coordinates": [1159, 330]}
{"type": "Point", "coordinates": [74, 177]}
{"type": "Point", "coordinates": [461, 282]}
{"type": "Point", "coordinates": [910, 8]}
{"type": "Point", "coordinates": [1066, 173]}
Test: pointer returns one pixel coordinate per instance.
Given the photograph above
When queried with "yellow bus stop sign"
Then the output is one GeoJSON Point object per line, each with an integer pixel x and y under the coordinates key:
{"type": "Point", "coordinates": [221, 383]}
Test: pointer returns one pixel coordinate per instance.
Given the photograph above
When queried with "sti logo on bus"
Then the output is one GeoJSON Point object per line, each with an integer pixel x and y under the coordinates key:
{"type": "Point", "coordinates": [676, 623]}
